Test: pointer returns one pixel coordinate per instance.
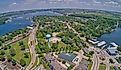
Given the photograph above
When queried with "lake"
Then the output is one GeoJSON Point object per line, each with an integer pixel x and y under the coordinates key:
{"type": "Point", "coordinates": [114, 36]}
{"type": "Point", "coordinates": [20, 21]}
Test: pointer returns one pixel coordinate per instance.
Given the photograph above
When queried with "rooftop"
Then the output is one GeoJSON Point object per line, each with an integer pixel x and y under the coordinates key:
{"type": "Point", "coordinates": [48, 35]}
{"type": "Point", "coordinates": [57, 66]}
{"type": "Point", "coordinates": [101, 43]}
{"type": "Point", "coordinates": [67, 56]}
{"type": "Point", "coordinates": [93, 41]}
{"type": "Point", "coordinates": [114, 44]}
{"type": "Point", "coordinates": [112, 51]}
{"type": "Point", "coordinates": [54, 62]}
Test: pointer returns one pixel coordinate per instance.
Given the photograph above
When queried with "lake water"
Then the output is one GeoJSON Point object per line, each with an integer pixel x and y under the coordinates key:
{"type": "Point", "coordinates": [18, 23]}
{"type": "Point", "coordinates": [14, 25]}
{"type": "Point", "coordinates": [114, 36]}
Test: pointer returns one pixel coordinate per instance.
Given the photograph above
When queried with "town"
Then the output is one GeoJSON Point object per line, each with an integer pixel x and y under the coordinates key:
{"type": "Point", "coordinates": [64, 42]}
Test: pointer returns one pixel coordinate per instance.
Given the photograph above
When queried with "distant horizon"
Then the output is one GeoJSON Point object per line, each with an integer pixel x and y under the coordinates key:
{"type": "Point", "coordinates": [61, 8]}
{"type": "Point", "coordinates": [18, 5]}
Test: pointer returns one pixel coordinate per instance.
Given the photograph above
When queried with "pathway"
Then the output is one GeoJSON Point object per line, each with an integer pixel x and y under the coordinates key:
{"type": "Point", "coordinates": [32, 45]}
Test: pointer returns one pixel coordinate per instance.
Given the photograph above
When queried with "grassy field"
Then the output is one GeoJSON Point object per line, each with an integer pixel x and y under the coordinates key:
{"type": "Point", "coordinates": [19, 53]}
{"type": "Point", "coordinates": [90, 65]}
{"type": "Point", "coordinates": [102, 67]}
{"type": "Point", "coordinates": [111, 68]}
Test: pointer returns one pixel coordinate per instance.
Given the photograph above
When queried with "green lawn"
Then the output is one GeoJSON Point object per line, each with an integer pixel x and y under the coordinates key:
{"type": "Point", "coordinates": [111, 68]}
{"type": "Point", "coordinates": [89, 65]}
{"type": "Point", "coordinates": [19, 52]}
{"type": "Point", "coordinates": [61, 44]}
{"type": "Point", "coordinates": [102, 67]}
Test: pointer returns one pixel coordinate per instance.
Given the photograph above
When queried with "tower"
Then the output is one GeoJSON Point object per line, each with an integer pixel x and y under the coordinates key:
{"type": "Point", "coordinates": [48, 36]}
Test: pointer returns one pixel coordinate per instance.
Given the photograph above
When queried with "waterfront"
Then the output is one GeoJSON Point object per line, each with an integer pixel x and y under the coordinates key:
{"type": "Point", "coordinates": [114, 36]}
{"type": "Point", "coordinates": [21, 21]}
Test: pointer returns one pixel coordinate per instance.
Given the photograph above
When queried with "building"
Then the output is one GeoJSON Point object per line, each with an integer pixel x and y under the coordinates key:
{"type": "Point", "coordinates": [69, 57]}
{"type": "Point", "coordinates": [83, 65]}
{"type": "Point", "coordinates": [101, 44]}
{"type": "Point", "coordinates": [30, 27]}
{"type": "Point", "coordinates": [113, 45]}
{"type": "Point", "coordinates": [54, 65]}
{"type": "Point", "coordinates": [93, 41]}
{"type": "Point", "coordinates": [112, 49]}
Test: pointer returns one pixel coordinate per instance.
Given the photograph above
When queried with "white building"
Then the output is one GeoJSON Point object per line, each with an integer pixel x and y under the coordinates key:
{"type": "Point", "coordinates": [100, 44]}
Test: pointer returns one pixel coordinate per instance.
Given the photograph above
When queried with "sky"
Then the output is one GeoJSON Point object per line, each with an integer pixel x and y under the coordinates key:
{"type": "Point", "coordinates": [16, 5]}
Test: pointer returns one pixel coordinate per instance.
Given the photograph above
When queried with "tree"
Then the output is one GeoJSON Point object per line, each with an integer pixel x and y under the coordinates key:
{"type": "Point", "coordinates": [2, 52]}
{"type": "Point", "coordinates": [0, 43]}
{"type": "Point", "coordinates": [26, 55]}
{"type": "Point", "coordinates": [111, 61]}
{"type": "Point", "coordinates": [22, 47]}
{"type": "Point", "coordinates": [9, 47]}
{"type": "Point", "coordinates": [63, 62]}
{"type": "Point", "coordinates": [22, 62]}
{"type": "Point", "coordinates": [119, 48]}
{"type": "Point", "coordinates": [5, 48]}
{"type": "Point", "coordinates": [70, 67]}
{"type": "Point", "coordinates": [2, 58]}
{"type": "Point", "coordinates": [13, 62]}
{"type": "Point", "coordinates": [21, 43]}
{"type": "Point", "coordinates": [9, 58]}
{"type": "Point", "coordinates": [91, 52]}
{"type": "Point", "coordinates": [12, 52]}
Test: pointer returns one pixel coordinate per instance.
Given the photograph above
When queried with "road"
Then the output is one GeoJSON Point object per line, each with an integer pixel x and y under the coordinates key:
{"type": "Point", "coordinates": [32, 45]}
{"type": "Point", "coordinates": [95, 60]}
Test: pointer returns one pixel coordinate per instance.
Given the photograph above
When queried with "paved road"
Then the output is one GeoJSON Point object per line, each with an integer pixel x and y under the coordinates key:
{"type": "Point", "coordinates": [95, 60]}
{"type": "Point", "coordinates": [32, 44]}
